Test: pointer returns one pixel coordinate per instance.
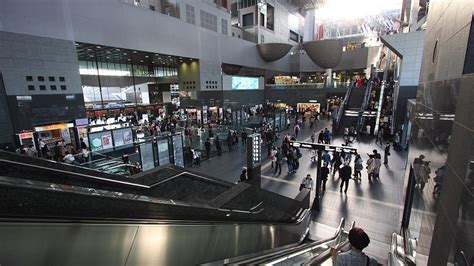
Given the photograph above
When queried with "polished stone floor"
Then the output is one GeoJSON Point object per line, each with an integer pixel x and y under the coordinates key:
{"type": "Point", "coordinates": [375, 206]}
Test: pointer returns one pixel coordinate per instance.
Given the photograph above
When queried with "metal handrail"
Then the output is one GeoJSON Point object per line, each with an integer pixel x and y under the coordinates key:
{"type": "Point", "coordinates": [365, 102]}
{"type": "Point", "coordinates": [318, 260]}
{"type": "Point", "coordinates": [277, 255]}
{"type": "Point", "coordinates": [343, 105]}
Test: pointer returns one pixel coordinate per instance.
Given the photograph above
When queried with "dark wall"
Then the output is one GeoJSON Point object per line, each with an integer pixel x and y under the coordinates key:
{"type": "Point", "coordinates": [245, 97]}
{"type": "Point", "coordinates": [294, 96]}
{"type": "Point", "coordinates": [405, 93]}
{"type": "Point", "coordinates": [211, 98]}
{"type": "Point", "coordinates": [43, 109]}
{"type": "Point", "coordinates": [6, 132]}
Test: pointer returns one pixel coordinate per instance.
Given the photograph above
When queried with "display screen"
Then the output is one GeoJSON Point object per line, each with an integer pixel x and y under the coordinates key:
{"type": "Point", "coordinates": [244, 83]}
{"type": "Point", "coordinates": [123, 137]}
{"type": "Point", "coordinates": [163, 152]}
{"type": "Point", "coordinates": [146, 152]}
{"type": "Point", "coordinates": [178, 150]}
{"type": "Point", "coordinates": [100, 141]}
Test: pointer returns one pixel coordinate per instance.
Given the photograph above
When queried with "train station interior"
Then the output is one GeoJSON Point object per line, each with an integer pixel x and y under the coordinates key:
{"type": "Point", "coordinates": [236, 132]}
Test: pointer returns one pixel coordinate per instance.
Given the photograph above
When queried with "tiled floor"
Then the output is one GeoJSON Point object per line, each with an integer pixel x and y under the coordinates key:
{"type": "Point", "coordinates": [375, 206]}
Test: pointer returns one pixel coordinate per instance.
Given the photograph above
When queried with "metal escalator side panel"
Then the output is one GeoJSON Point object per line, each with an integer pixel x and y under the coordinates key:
{"type": "Point", "coordinates": [138, 244]}
{"type": "Point", "coordinates": [280, 255]}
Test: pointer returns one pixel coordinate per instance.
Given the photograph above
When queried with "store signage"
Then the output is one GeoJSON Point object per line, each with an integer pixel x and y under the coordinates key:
{"type": "Point", "coordinates": [82, 122]}
{"type": "Point", "coordinates": [51, 127]}
{"type": "Point", "coordinates": [28, 135]}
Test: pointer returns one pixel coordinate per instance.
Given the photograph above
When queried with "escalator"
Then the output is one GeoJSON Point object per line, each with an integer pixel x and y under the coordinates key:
{"type": "Point", "coordinates": [56, 214]}
{"type": "Point", "coordinates": [311, 253]}
{"type": "Point", "coordinates": [352, 109]}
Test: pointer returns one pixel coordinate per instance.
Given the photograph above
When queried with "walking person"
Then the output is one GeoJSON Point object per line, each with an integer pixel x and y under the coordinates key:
{"type": "Point", "coordinates": [425, 172]}
{"type": "Point", "coordinates": [378, 164]}
{"type": "Point", "coordinates": [327, 159]}
{"type": "Point", "coordinates": [218, 146]}
{"type": "Point", "coordinates": [386, 153]}
{"type": "Point", "coordinates": [379, 138]}
{"type": "Point", "coordinates": [244, 137]}
{"type": "Point", "coordinates": [297, 130]}
{"type": "Point", "coordinates": [358, 166]}
{"type": "Point", "coordinates": [243, 176]}
{"type": "Point", "coordinates": [313, 136]}
{"type": "Point", "coordinates": [229, 141]}
{"type": "Point", "coordinates": [336, 163]}
{"type": "Point", "coordinates": [370, 167]}
{"type": "Point", "coordinates": [324, 175]}
{"type": "Point", "coordinates": [321, 137]}
{"type": "Point", "coordinates": [290, 157]}
{"type": "Point", "coordinates": [345, 173]}
{"type": "Point", "coordinates": [279, 160]}
{"type": "Point", "coordinates": [272, 156]}
{"type": "Point", "coordinates": [207, 145]}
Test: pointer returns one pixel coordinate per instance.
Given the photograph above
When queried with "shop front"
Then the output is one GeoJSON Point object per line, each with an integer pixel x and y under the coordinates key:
{"type": "Point", "coordinates": [53, 133]}
{"type": "Point", "coordinates": [25, 138]}
{"type": "Point", "coordinates": [308, 107]}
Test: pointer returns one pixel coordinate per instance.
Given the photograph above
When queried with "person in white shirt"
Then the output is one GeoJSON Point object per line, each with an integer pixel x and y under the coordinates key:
{"type": "Point", "coordinates": [307, 182]}
{"type": "Point", "coordinates": [69, 158]}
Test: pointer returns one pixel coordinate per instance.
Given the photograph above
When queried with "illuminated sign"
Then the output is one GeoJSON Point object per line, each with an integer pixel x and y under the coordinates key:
{"type": "Point", "coordinates": [51, 127]}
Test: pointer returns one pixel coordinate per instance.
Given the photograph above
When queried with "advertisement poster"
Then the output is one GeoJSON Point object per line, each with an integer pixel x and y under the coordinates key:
{"type": "Point", "coordinates": [178, 150]}
{"type": "Point", "coordinates": [146, 153]}
{"type": "Point", "coordinates": [244, 83]}
{"type": "Point", "coordinates": [122, 137]}
{"type": "Point", "coordinates": [204, 115]}
{"type": "Point", "coordinates": [107, 142]}
{"type": "Point", "coordinates": [127, 136]}
{"type": "Point", "coordinates": [163, 152]}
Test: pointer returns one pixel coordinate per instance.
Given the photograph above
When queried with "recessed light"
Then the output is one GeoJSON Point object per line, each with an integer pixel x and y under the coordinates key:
{"type": "Point", "coordinates": [146, 56]}
{"type": "Point", "coordinates": [117, 49]}
{"type": "Point", "coordinates": [134, 52]}
{"type": "Point", "coordinates": [108, 52]}
{"type": "Point", "coordinates": [124, 53]}
{"type": "Point", "coordinates": [98, 46]}
{"type": "Point", "coordinates": [77, 43]}
{"type": "Point", "coordinates": [169, 55]}
{"type": "Point", "coordinates": [152, 62]}
{"type": "Point", "coordinates": [89, 49]}
{"type": "Point", "coordinates": [129, 59]}
{"type": "Point", "coordinates": [91, 55]}
{"type": "Point", "coordinates": [141, 61]}
{"type": "Point", "coordinates": [108, 57]}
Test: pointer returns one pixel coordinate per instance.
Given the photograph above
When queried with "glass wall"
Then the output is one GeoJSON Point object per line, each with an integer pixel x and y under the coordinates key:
{"type": "Point", "coordinates": [125, 70]}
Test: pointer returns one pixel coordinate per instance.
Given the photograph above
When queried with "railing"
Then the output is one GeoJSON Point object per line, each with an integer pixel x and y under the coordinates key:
{"type": "Point", "coordinates": [340, 112]}
{"type": "Point", "coordinates": [337, 85]}
{"type": "Point", "coordinates": [365, 102]}
{"type": "Point", "coordinates": [395, 94]}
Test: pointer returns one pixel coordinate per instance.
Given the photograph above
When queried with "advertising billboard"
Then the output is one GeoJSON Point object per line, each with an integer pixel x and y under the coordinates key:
{"type": "Point", "coordinates": [244, 83]}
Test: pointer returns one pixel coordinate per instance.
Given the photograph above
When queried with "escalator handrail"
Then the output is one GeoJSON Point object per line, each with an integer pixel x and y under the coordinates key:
{"type": "Point", "coordinates": [365, 102]}
{"type": "Point", "coordinates": [318, 260]}
{"type": "Point", "coordinates": [265, 256]}
{"type": "Point", "coordinates": [343, 105]}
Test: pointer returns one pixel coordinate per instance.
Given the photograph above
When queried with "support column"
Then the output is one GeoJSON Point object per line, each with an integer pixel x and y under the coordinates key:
{"type": "Point", "coordinates": [329, 83]}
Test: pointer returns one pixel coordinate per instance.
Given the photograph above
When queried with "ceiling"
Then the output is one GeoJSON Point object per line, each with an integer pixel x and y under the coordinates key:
{"type": "Point", "coordinates": [91, 52]}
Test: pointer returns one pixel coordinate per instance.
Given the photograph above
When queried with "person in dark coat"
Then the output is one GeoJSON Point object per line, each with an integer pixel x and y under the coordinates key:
{"type": "Point", "coordinates": [207, 145]}
{"type": "Point", "coordinates": [345, 173]}
{"type": "Point", "coordinates": [324, 175]}
{"type": "Point", "coordinates": [218, 146]}
{"type": "Point", "coordinates": [386, 153]}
